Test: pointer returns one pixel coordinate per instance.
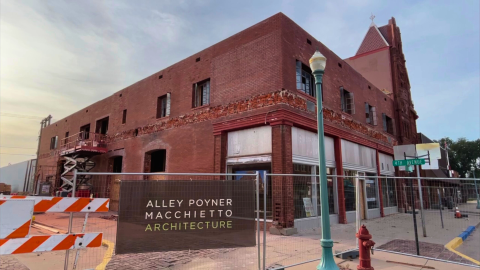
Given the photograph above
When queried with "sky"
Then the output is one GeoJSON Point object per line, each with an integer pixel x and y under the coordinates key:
{"type": "Point", "coordinates": [57, 57]}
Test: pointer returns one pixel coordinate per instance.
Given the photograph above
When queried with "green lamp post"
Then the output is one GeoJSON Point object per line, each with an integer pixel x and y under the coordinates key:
{"type": "Point", "coordinates": [476, 189]}
{"type": "Point", "coordinates": [317, 64]}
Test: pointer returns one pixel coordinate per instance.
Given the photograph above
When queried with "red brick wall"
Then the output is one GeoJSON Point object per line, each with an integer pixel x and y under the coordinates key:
{"type": "Point", "coordinates": [297, 48]}
{"type": "Point", "coordinates": [282, 186]}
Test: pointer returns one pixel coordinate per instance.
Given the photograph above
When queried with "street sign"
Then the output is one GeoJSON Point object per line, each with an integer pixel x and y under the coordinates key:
{"type": "Point", "coordinates": [406, 162]}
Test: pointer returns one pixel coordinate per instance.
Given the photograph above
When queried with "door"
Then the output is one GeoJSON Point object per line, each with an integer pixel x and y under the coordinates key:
{"type": "Point", "coordinates": [362, 195]}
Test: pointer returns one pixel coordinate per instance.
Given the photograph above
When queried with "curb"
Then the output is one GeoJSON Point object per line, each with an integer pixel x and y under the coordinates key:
{"type": "Point", "coordinates": [457, 241]}
{"type": "Point", "coordinates": [108, 255]}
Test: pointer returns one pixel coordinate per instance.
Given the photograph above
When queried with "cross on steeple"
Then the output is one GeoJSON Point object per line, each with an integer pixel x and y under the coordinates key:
{"type": "Point", "coordinates": [372, 17]}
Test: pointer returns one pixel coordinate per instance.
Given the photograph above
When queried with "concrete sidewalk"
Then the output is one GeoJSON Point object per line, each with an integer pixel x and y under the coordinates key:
{"type": "Point", "coordinates": [379, 261]}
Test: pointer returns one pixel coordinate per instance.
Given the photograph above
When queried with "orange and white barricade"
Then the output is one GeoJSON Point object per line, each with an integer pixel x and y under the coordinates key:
{"type": "Point", "coordinates": [16, 216]}
{"type": "Point", "coordinates": [64, 204]}
{"type": "Point", "coordinates": [42, 243]}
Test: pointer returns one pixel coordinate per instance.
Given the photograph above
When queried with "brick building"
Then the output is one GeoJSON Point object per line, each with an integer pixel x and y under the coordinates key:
{"type": "Point", "coordinates": [247, 104]}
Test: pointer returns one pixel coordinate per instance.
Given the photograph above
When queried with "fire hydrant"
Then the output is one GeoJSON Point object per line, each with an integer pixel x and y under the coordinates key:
{"type": "Point", "coordinates": [364, 247]}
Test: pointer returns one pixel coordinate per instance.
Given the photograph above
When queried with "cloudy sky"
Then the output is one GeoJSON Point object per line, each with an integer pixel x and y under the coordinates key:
{"type": "Point", "coordinates": [60, 56]}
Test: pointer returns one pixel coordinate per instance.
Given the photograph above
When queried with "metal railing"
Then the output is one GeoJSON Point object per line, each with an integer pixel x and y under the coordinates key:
{"type": "Point", "coordinates": [84, 139]}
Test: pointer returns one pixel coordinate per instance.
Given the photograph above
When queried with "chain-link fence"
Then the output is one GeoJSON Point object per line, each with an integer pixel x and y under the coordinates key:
{"type": "Point", "coordinates": [281, 214]}
{"type": "Point", "coordinates": [431, 217]}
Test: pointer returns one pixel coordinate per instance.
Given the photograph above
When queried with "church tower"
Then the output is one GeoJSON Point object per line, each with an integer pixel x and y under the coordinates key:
{"type": "Point", "coordinates": [380, 60]}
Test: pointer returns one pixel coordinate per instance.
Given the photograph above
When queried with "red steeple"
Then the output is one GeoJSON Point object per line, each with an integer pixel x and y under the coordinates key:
{"type": "Point", "coordinates": [372, 41]}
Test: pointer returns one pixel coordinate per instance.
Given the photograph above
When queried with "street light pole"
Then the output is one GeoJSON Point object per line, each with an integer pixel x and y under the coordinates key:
{"type": "Point", "coordinates": [476, 189]}
{"type": "Point", "coordinates": [317, 64]}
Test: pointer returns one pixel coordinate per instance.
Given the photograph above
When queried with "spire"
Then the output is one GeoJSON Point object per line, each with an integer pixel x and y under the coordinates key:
{"type": "Point", "coordinates": [373, 39]}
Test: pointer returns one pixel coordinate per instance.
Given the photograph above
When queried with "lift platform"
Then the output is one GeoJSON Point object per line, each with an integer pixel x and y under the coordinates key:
{"type": "Point", "coordinates": [85, 144]}
{"type": "Point", "coordinates": [77, 150]}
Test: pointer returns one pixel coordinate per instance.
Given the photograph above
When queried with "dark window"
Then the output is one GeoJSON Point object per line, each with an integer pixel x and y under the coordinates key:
{"type": "Point", "coordinates": [124, 117]}
{"type": "Point", "coordinates": [84, 132]}
{"type": "Point", "coordinates": [102, 126]}
{"type": "Point", "coordinates": [161, 76]}
{"type": "Point", "coordinates": [305, 80]}
{"type": "Point", "coordinates": [163, 106]}
{"type": "Point", "coordinates": [388, 124]}
{"type": "Point", "coordinates": [158, 161]}
{"type": "Point", "coordinates": [120, 95]}
{"type": "Point", "coordinates": [66, 137]}
{"type": "Point", "coordinates": [117, 164]}
{"type": "Point", "coordinates": [201, 93]}
{"type": "Point", "coordinates": [339, 65]}
{"type": "Point", "coordinates": [309, 41]}
{"type": "Point", "coordinates": [197, 60]}
{"type": "Point", "coordinates": [370, 114]}
{"type": "Point", "coordinates": [347, 101]}
{"type": "Point", "coordinates": [53, 142]}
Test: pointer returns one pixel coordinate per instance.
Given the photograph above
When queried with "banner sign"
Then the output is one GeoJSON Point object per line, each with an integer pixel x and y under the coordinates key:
{"type": "Point", "coordinates": [182, 215]}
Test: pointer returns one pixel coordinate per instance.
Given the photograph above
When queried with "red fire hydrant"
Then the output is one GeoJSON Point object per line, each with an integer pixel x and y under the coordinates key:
{"type": "Point", "coordinates": [364, 247]}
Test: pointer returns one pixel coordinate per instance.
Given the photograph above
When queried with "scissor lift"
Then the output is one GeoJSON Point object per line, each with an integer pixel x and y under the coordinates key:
{"type": "Point", "coordinates": [78, 150]}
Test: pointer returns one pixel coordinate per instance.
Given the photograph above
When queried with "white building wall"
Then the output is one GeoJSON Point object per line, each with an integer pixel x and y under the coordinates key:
{"type": "Point", "coordinates": [16, 174]}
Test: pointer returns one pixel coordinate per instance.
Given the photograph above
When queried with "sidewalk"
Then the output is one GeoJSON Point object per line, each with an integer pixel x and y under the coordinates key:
{"type": "Point", "coordinates": [379, 261]}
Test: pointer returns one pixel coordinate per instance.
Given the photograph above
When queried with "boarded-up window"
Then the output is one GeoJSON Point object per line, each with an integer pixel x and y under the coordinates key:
{"type": "Point", "coordinates": [201, 93]}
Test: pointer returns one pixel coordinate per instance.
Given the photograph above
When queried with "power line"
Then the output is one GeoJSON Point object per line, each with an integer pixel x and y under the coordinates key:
{"type": "Point", "coordinates": [17, 154]}
{"type": "Point", "coordinates": [16, 147]}
{"type": "Point", "coordinates": [21, 116]}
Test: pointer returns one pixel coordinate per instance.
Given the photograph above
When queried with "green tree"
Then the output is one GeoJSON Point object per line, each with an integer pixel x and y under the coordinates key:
{"type": "Point", "coordinates": [463, 154]}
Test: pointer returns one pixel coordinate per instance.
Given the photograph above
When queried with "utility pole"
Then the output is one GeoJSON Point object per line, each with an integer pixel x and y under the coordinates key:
{"type": "Point", "coordinates": [43, 124]}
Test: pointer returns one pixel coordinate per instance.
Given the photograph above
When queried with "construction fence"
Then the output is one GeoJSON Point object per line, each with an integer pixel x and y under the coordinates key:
{"type": "Point", "coordinates": [233, 221]}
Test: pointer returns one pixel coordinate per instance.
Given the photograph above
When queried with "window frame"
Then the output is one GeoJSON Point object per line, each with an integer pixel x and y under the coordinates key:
{"type": "Point", "coordinates": [201, 93]}
{"type": "Point", "coordinates": [301, 73]}
{"type": "Point", "coordinates": [371, 114]}
{"type": "Point", "coordinates": [347, 101]}
{"type": "Point", "coordinates": [388, 124]}
{"type": "Point", "coordinates": [163, 106]}
{"type": "Point", "coordinates": [53, 142]}
{"type": "Point", "coordinates": [124, 117]}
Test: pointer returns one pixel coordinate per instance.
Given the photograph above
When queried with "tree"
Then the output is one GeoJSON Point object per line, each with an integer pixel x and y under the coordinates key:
{"type": "Point", "coordinates": [462, 155]}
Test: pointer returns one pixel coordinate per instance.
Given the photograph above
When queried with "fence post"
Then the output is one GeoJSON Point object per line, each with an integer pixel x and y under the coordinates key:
{"type": "Point", "coordinates": [440, 205]}
{"type": "Point", "coordinates": [420, 191]}
{"type": "Point", "coordinates": [265, 188]}
{"type": "Point", "coordinates": [414, 216]}
{"type": "Point", "coordinates": [258, 215]}
{"type": "Point", "coordinates": [70, 220]}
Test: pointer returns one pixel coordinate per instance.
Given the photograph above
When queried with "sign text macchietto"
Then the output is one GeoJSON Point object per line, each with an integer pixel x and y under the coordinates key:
{"type": "Point", "coordinates": [181, 215]}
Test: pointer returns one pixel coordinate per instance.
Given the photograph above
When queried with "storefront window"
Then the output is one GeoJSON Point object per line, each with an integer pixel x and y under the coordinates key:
{"type": "Point", "coordinates": [253, 168]}
{"type": "Point", "coordinates": [371, 188]}
{"type": "Point", "coordinates": [389, 193]}
{"type": "Point", "coordinates": [349, 190]}
{"type": "Point", "coordinates": [304, 188]}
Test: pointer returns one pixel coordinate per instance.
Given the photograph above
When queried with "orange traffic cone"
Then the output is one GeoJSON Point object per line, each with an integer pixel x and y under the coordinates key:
{"type": "Point", "coordinates": [457, 213]}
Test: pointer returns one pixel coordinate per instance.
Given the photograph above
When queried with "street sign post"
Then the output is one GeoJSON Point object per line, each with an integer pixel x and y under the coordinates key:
{"type": "Point", "coordinates": [406, 162]}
